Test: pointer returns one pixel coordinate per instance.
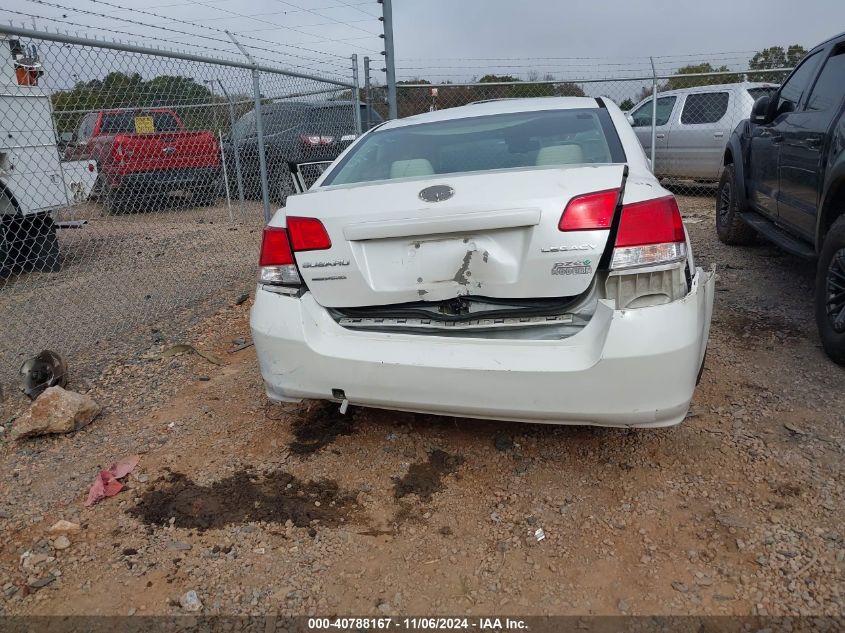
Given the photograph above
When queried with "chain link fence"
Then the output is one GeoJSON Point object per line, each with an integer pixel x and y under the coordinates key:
{"type": "Point", "coordinates": [695, 113]}
{"type": "Point", "coordinates": [134, 184]}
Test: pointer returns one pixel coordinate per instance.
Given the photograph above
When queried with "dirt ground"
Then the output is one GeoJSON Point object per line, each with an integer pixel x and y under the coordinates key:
{"type": "Point", "coordinates": [296, 509]}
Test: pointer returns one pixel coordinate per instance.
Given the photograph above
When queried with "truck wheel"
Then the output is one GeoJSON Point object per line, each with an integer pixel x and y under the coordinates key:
{"type": "Point", "coordinates": [48, 257]}
{"type": "Point", "coordinates": [5, 252]}
{"type": "Point", "coordinates": [729, 227]}
{"type": "Point", "coordinates": [116, 202]}
{"type": "Point", "coordinates": [830, 293]}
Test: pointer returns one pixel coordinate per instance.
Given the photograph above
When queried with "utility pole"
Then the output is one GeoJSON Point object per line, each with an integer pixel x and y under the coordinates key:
{"type": "Point", "coordinates": [389, 57]}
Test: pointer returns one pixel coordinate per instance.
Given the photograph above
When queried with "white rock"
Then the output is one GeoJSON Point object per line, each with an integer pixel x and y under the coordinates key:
{"type": "Point", "coordinates": [190, 601]}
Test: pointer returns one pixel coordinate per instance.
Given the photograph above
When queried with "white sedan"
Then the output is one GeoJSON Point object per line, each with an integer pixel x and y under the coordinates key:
{"type": "Point", "coordinates": [511, 260]}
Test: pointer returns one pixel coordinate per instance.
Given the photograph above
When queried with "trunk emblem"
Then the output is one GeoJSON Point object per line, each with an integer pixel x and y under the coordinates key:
{"type": "Point", "coordinates": [436, 193]}
{"type": "Point", "coordinates": [168, 150]}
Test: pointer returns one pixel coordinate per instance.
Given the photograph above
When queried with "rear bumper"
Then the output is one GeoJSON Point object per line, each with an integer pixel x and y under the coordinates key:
{"type": "Point", "coordinates": [629, 368]}
{"type": "Point", "coordinates": [168, 179]}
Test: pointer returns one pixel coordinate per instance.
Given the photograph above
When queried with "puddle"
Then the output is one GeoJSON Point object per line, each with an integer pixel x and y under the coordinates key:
{"type": "Point", "coordinates": [242, 498]}
{"type": "Point", "coordinates": [426, 478]}
{"type": "Point", "coordinates": [318, 428]}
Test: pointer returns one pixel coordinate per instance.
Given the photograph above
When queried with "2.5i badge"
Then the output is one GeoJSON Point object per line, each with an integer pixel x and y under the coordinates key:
{"type": "Point", "coordinates": [577, 267]}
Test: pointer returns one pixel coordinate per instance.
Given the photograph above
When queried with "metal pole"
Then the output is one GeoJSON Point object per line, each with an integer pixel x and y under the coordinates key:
{"type": "Point", "coordinates": [356, 100]}
{"type": "Point", "coordinates": [235, 149]}
{"type": "Point", "coordinates": [367, 96]}
{"type": "Point", "coordinates": [259, 130]}
{"type": "Point", "coordinates": [262, 158]}
{"type": "Point", "coordinates": [225, 176]}
{"type": "Point", "coordinates": [390, 60]}
{"type": "Point", "coordinates": [653, 113]}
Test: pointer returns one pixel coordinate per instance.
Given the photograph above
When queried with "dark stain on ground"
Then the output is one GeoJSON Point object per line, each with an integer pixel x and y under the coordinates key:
{"type": "Point", "coordinates": [426, 478]}
{"type": "Point", "coordinates": [318, 428]}
{"type": "Point", "coordinates": [244, 497]}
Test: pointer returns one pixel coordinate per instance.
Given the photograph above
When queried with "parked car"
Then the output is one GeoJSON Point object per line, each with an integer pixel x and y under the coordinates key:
{"type": "Point", "coordinates": [511, 260]}
{"type": "Point", "coordinates": [294, 132]}
{"type": "Point", "coordinates": [144, 153]}
{"type": "Point", "coordinates": [784, 179]}
{"type": "Point", "coordinates": [693, 126]}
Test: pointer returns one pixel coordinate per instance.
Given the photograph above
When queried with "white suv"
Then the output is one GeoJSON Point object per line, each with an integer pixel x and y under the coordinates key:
{"type": "Point", "coordinates": [694, 125]}
{"type": "Point", "coordinates": [509, 260]}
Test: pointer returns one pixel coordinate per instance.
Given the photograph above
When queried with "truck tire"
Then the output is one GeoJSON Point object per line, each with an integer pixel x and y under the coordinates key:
{"type": "Point", "coordinates": [45, 255]}
{"type": "Point", "coordinates": [830, 293]}
{"type": "Point", "coordinates": [8, 212]}
{"type": "Point", "coordinates": [5, 252]}
{"type": "Point", "coordinates": [116, 201]}
{"type": "Point", "coordinates": [729, 227]}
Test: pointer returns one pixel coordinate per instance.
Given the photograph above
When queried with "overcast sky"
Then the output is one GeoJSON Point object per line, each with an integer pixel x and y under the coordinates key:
{"type": "Point", "coordinates": [443, 38]}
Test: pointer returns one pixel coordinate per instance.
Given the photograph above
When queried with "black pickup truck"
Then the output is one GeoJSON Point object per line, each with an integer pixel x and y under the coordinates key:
{"type": "Point", "coordinates": [784, 179]}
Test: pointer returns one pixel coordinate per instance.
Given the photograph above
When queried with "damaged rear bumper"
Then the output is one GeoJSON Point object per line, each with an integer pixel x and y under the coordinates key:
{"type": "Point", "coordinates": [627, 368]}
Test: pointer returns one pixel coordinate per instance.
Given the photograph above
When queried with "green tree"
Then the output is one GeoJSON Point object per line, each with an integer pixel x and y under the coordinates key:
{"type": "Point", "coordinates": [707, 80]}
{"type": "Point", "coordinates": [626, 105]}
{"type": "Point", "coordinates": [775, 57]}
{"type": "Point", "coordinates": [121, 90]}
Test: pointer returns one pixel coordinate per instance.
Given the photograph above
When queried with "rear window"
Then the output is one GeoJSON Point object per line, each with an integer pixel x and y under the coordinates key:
{"type": "Point", "coordinates": [502, 141]}
{"type": "Point", "coordinates": [762, 91]}
{"type": "Point", "coordinates": [131, 122]}
{"type": "Point", "coordinates": [335, 118]}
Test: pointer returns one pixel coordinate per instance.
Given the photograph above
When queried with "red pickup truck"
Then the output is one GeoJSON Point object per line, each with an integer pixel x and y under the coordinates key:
{"type": "Point", "coordinates": [145, 153]}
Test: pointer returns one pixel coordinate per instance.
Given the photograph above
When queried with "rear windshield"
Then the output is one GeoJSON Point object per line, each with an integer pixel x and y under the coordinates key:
{"type": "Point", "coordinates": [500, 141]}
{"type": "Point", "coordinates": [138, 121]}
{"type": "Point", "coordinates": [335, 118]}
{"type": "Point", "coordinates": [761, 91]}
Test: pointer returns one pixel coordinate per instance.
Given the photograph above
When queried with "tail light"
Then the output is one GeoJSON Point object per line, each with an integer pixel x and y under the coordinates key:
{"type": "Point", "coordinates": [650, 232]}
{"type": "Point", "coordinates": [315, 140]}
{"type": "Point", "coordinates": [276, 259]}
{"type": "Point", "coordinates": [589, 212]}
{"type": "Point", "coordinates": [278, 245]}
{"type": "Point", "coordinates": [308, 234]}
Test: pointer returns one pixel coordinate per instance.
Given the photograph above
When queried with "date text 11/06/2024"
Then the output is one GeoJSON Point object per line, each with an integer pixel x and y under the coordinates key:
{"type": "Point", "coordinates": [429, 624]}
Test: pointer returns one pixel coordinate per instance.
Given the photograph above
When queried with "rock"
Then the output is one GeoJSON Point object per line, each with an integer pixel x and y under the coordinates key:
{"type": "Point", "coordinates": [622, 606]}
{"type": "Point", "coordinates": [503, 443]}
{"type": "Point", "coordinates": [61, 542]}
{"type": "Point", "coordinates": [679, 586]}
{"type": "Point", "coordinates": [64, 527]}
{"type": "Point", "coordinates": [179, 546]}
{"type": "Point", "coordinates": [56, 411]}
{"type": "Point", "coordinates": [190, 601]}
{"type": "Point", "coordinates": [5, 514]}
{"type": "Point", "coordinates": [43, 581]}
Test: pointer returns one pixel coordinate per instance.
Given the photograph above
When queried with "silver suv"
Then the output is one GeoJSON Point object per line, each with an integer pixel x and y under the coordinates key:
{"type": "Point", "coordinates": [693, 126]}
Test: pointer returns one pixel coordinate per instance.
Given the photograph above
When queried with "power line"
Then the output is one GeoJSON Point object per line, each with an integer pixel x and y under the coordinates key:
{"type": "Point", "coordinates": [138, 36]}
{"type": "Point", "coordinates": [211, 28]}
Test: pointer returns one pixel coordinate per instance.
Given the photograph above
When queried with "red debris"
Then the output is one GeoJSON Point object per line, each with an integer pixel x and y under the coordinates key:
{"type": "Point", "coordinates": [106, 484]}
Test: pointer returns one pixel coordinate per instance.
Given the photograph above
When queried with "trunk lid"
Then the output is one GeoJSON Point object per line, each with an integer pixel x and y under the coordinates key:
{"type": "Point", "coordinates": [496, 236]}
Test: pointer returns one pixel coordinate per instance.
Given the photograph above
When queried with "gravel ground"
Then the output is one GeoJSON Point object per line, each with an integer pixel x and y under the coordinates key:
{"type": "Point", "coordinates": [295, 509]}
{"type": "Point", "coordinates": [167, 267]}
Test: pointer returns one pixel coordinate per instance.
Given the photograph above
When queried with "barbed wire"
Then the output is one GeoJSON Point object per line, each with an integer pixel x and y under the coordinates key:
{"type": "Point", "coordinates": [211, 28]}
{"type": "Point", "coordinates": [213, 52]}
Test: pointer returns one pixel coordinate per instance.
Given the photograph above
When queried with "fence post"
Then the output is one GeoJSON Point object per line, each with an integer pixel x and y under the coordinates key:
{"type": "Point", "coordinates": [390, 61]}
{"type": "Point", "coordinates": [235, 148]}
{"type": "Point", "coordinates": [262, 157]}
{"type": "Point", "coordinates": [356, 100]}
{"type": "Point", "coordinates": [653, 115]}
{"type": "Point", "coordinates": [367, 96]}
{"type": "Point", "coordinates": [259, 128]}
